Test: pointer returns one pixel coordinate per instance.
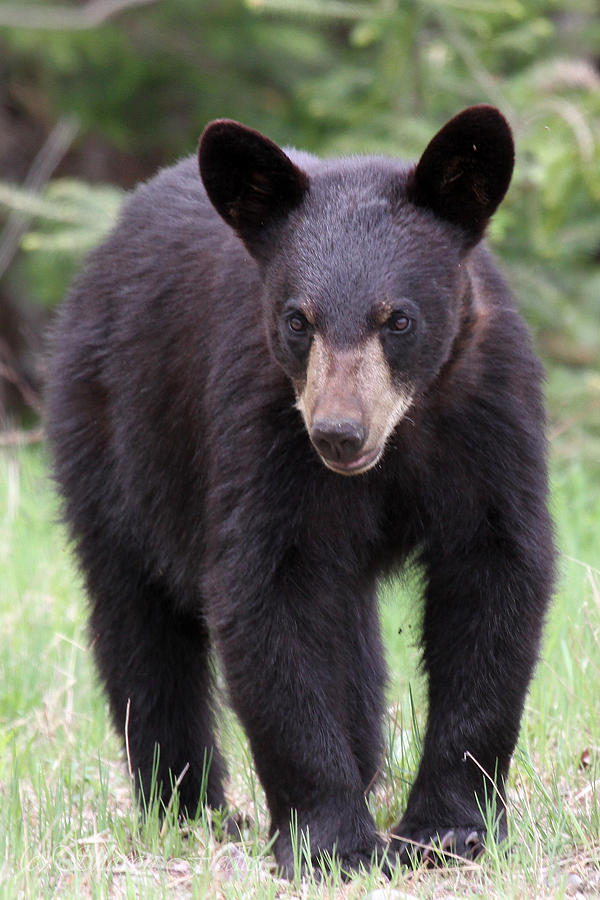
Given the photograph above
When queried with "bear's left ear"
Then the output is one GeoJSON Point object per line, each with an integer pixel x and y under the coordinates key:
{"type": "Point", "coordinates": [465, 170]}
{"type": "Point", "coordinates": [249, 179]}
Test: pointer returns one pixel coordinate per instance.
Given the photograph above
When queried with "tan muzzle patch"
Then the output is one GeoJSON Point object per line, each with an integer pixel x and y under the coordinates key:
{"type": "Point", "coordinates": [350, 404]}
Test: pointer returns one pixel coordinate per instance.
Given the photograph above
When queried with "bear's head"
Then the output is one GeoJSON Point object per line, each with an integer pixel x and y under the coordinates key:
{"type": "Point", "coordinates": [364, 263]}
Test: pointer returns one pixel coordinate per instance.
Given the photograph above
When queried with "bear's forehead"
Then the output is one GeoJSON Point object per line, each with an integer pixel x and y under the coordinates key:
{"type": "Point", "coordinates": [358, 243]}
{"type": "Point", "coordinates": [344, 226]}
{"type": "Point", "coordinates": [357, 193]}
{"type": "Point", "coordinates": [343, 230]}
{"type": "Point", "coordinates": [360, 215]}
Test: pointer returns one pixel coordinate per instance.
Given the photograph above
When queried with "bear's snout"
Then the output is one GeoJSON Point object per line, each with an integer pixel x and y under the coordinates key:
{"type": "Point", "coordinates": [338, 440]}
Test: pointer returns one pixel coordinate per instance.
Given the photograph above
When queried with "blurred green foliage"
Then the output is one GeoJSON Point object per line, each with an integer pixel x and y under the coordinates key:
{"type": "Point", "coordinates": [347, 77]}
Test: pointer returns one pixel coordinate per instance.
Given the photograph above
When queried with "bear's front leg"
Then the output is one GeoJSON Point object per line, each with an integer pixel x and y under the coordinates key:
{"type": "Point", "coordinates": [485, 603]}
{"type": "Point", "coordinates": [290, 659]}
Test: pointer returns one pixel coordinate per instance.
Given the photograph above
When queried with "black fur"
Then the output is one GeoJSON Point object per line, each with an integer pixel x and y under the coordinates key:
{"type": "Point", "coordinates": [203, 516]}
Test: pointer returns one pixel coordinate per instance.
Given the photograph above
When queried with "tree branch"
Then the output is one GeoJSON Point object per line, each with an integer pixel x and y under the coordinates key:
{"type": "Point", "coordinates": [58, 142]}
{"type": "Point", "coordinates": [64, 18]}
{"type": "Point", "coordinates": [18, 438]}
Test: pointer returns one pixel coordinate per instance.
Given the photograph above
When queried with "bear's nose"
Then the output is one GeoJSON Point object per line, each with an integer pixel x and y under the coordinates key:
{"type": "Point", "coordinates": [338, 440]}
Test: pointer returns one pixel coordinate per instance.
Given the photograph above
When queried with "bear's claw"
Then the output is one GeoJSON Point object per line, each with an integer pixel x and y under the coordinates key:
{"type": "Point", "coordinates": [431, 847]}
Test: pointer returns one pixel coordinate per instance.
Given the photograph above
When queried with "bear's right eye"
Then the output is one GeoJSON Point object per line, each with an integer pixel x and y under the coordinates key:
{"type": "Point", "coordinates": [297, 324]}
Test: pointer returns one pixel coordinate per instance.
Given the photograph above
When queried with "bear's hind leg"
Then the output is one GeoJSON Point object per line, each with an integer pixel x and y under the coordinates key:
{"type": "Point", "coordinates": [154, 660]}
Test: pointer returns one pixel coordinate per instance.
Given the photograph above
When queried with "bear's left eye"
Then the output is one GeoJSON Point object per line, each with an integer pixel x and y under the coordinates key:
{"type": "Point", "coordinates": [399, 323]}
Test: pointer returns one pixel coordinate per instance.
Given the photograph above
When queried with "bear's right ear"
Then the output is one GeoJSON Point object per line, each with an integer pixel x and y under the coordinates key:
{"type": "Point", "coordinates": [465, 170]}
{"type": "Point", "coordinates": [249, 179]}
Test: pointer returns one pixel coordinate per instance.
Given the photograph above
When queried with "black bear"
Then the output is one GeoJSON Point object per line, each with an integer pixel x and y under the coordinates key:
{"type": "Point", "coordinates": [272, 386]}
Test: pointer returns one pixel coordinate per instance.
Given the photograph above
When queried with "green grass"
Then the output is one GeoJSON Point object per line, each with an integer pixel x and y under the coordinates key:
{"type": "Point", "coordinates": [68, 827]}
